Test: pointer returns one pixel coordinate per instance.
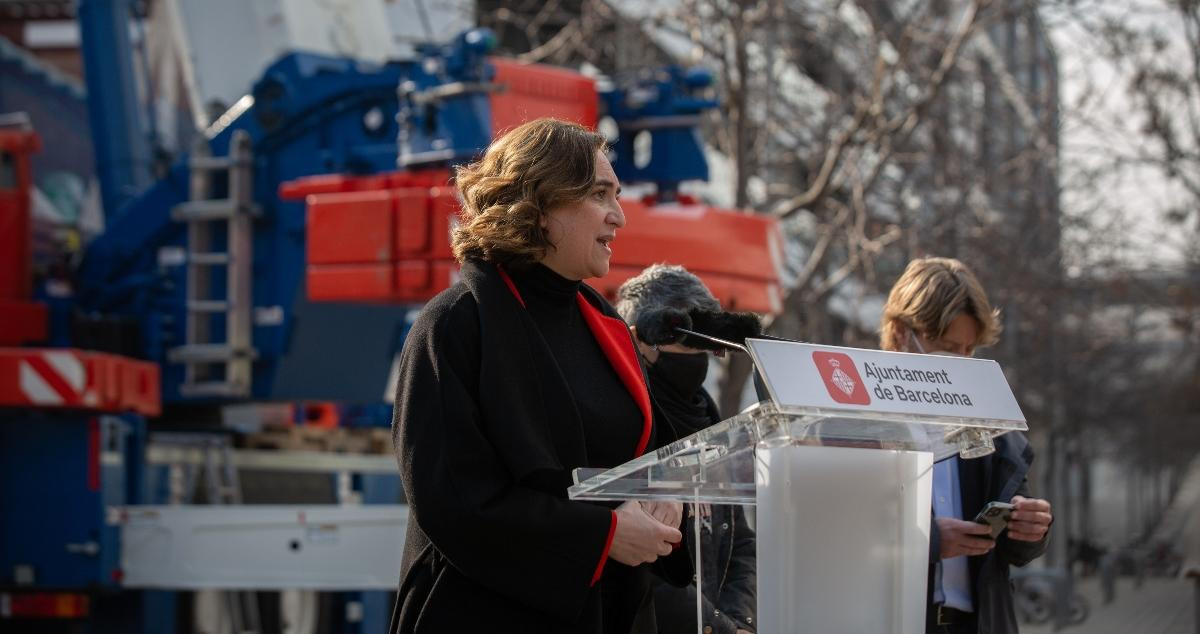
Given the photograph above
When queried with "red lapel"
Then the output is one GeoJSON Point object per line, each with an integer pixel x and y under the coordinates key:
{"type": "Point", "coordinates": [615, 341]}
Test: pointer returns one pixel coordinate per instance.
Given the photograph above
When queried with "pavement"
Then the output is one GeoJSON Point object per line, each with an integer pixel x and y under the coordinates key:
{"type": "Point", "coordinates": [1159, 606]}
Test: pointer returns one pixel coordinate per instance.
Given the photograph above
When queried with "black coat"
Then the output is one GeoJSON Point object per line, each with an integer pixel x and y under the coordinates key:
{"type": "Point", "coordinates": [996, 477]}
{"type": "Point", "coordinates": [487, 435]}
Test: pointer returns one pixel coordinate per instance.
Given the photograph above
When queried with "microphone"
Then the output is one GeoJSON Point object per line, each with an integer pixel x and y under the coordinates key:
{"type": "Point", "coordinates": [736, 327]}
{"type": "Point", "coordinates": [658, 327]}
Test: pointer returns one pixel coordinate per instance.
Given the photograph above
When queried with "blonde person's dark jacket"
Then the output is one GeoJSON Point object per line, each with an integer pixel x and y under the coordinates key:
{"type": "Point", "coordinates": [996, 477]}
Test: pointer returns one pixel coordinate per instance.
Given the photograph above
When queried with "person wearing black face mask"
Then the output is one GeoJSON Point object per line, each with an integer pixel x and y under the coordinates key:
{"type": "Point", "coordinates": [676, 368]}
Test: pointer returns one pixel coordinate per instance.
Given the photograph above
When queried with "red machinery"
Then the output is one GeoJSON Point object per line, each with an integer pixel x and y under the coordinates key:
{"type": "Point", "coordinates": [50, 377]}
{"type": "Point", "coordinates": [385, 238]}
{"type": "Point", "coordinates": [25, 320]}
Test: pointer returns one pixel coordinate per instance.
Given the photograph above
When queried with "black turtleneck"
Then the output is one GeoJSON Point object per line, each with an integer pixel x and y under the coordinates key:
{"type": "Point", "coordinates": [612, 422]}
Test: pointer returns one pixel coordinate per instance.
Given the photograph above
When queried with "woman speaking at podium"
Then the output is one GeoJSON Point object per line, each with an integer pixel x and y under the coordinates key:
{"type": "Point", "coordinates": [508, 381]}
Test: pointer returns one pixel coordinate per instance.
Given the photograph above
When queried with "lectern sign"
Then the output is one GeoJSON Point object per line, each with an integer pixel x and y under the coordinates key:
{"type": "Point", "coordinates": [800, 375]}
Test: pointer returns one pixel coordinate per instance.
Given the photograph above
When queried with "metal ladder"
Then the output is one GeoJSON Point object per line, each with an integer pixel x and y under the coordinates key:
{"type": "Point", "coordinates": [212, 366]}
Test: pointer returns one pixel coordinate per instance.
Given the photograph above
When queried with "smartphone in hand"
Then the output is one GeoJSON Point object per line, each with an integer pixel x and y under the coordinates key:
{"type": "Point", "coordinates": [995, 515]}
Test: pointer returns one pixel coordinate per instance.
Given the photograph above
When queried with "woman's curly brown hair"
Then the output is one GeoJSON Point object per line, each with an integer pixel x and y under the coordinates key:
{"type": "Point", "coordinates": [532, 169]}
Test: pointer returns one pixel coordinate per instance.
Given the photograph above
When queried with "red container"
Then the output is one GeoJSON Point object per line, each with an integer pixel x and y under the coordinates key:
{"type": "Point", "coordinates": [353, 227]}
{"type": "Point", "coordinates": [411, 220]}
{"type": "Point", "coordinates": [351, 282]}
{"type": "Point", "coordinates": [531, 91]}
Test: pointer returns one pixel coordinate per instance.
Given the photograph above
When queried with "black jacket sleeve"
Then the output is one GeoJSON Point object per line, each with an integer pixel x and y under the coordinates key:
{"type": "Point", "coordinates": [739, 594]}
{"type": "Point", "coordinates": [533, 547]}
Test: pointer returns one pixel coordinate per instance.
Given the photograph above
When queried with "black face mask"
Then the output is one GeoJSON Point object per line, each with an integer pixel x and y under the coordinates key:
{"type": "Point", "coordinates": [683, 371]}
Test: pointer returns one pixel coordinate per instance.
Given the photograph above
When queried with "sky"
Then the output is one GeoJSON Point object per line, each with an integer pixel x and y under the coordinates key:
{"type": "Point", "coordinates": [1099, 120]}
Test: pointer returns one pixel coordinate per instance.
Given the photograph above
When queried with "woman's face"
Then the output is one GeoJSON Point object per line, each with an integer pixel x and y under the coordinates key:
{"type": "Point", "coordinates": [583, 231]}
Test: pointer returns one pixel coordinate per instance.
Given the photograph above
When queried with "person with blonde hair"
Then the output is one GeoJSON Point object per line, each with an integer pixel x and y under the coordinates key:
{"type": "Point", "coordinates": [509, 381]}
{"type": "Point", "coordinates": [929, 298]}
{"type": "Point", "coordinates": [938, 306]}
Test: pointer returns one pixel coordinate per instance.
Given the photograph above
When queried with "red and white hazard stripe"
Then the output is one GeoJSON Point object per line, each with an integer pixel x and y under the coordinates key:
{"type": "Point", "coordinates": [55, 378]}
{"type": "Point", "coordinates": [78, 379]}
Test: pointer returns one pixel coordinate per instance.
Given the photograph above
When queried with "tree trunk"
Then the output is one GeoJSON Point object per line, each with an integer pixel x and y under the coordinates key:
{"type": "Point", "coordinates": [738, 111]}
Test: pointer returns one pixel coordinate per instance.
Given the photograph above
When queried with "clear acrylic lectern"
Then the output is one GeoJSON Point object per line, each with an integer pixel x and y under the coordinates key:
{"type": "Point", "coordinates": [840, 475]}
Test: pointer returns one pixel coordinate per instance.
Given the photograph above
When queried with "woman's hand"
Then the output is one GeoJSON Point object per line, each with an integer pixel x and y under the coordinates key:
{"type": "Point", "coordinates": [640, 538]}
{"type": "Point", "coordinates": [668, 513]}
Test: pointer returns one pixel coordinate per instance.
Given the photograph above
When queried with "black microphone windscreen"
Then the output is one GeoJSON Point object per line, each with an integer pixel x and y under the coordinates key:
{"type": "Point", "coordinates": [735, 327]}
{"type": "Point", "coordinates": [658, 327]}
